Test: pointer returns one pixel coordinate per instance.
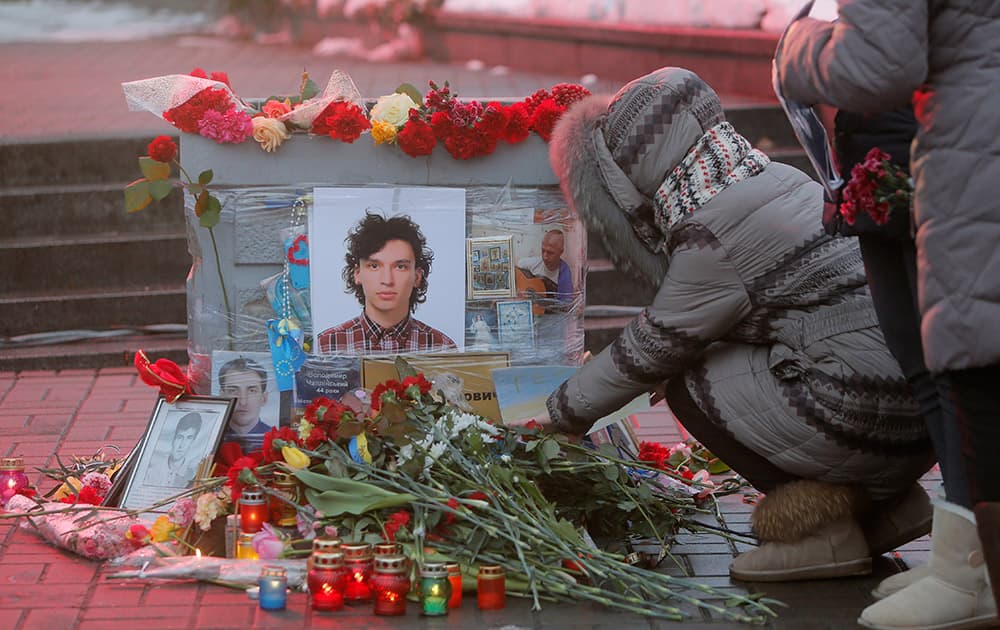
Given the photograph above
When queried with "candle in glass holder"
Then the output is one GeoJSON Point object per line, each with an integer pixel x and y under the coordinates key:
{"type": "Point", "coordinates": [358, 561]}
{"type": "Point", "coordinates": [286, 495]}
{"type": "Point", "coordinates": [12, 478]}
{"type": "Point", "coordinates": [253, 510]}
{"type": "Point", "coordinates": [390, 583]}
{"type": "Point", "coordinates": [435, 589]}
{"type": "Point", "coordinates": [491, 587]}
{"type": "Point", "coordinates": [323, 544]}
{"type": "Point", "coordinates": [387, 549]}
{"type": "Point", "coordinates": [244, 548]}
{"type": "Point", "coordinates": [273, 588]}
{"type": "Point", "coordinates": [455, 579]}
{"type": "Point", "coordinates": [327, 578]}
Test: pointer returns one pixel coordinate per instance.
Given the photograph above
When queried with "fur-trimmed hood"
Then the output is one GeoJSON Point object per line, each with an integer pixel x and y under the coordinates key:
{"type": "Point", "coordinates": [575, 162]}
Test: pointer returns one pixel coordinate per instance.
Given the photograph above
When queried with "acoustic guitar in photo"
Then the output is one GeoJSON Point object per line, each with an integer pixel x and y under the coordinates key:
{"type": "Point", "coordinates": [534, 288]}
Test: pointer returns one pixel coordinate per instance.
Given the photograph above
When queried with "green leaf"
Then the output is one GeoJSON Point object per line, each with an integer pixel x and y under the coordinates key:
{"type": "Point", "coordinates": [205, 177]}
{"type": "Point", "coordinates": [137, 195]}
{"type": "Point", "coordinates": [154, 170]}
{"type": "Point", "coordinates": [403, 368]}
{"type": "Point", "coordinates": [392, 412]}
{"type": "Point", "coordinates": [210, 215]}
{"type": "Point", "coordinates": [532, 445]}
{"type": "Point", "coordinates": [335, 496]}
{"type": "Point", "coordinates": [160, 188]}
{"type": "Point", "coordinates": [611, 473]}
{"type": "Point", "coordinates": [717, 466]}
{"type": "Point", "coordinates": [309, 89]}
{"type": "Point", "coordinates": [543, 461]}
{"type": "Point", "coordinates": [550, 448]}
{"type": "Point", "coordinates": [411, 91]}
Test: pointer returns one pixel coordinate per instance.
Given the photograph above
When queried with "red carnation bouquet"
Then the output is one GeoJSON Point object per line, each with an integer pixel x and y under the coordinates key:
{"type": "Point", "coordinates": [470, 129]}
{"type": "Point", "coordinates": [878, 187]}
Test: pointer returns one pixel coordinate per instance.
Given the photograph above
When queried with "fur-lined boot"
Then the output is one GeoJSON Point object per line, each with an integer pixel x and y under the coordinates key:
{"type": "Point", "coordinates": [988, 520]}
{"type": "Point", "coordinates": [954, 595]}
{"type": "Point", "coordinates": [808, 530]}
{"type": "Point", "coordinates": [888, 527]}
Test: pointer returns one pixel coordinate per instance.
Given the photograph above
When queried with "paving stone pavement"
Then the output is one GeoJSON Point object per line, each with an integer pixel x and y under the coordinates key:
{"type": "Point", "coordinates": [77, 412]}
{"type": "Point", "coordinates": [53, 91]}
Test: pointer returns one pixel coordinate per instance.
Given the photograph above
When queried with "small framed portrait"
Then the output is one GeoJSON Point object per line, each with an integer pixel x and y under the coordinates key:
{"type": "Point", "coordinates": [489, 271]}
{"type": "Point", "coordinates": [514, 324]}
{"type": "Point", "coordinates": [178, 446]}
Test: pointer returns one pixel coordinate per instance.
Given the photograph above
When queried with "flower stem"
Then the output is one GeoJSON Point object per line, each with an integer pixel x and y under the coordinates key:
{"type": "Point", "coordinates": [225, 294]}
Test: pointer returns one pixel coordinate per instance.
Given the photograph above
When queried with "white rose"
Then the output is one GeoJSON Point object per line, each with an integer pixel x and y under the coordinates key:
{"type": "Point", "coordinates": [393, 109]}
{"type": "Point", "coordinates": [269, 132]}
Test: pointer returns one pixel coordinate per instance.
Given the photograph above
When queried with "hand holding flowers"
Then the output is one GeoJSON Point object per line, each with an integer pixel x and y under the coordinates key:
{"type": "Point", "coordinates": [878, 187]}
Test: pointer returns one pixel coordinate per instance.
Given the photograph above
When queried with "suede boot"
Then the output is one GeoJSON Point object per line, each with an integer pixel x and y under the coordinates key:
{"type": "Point", "coordinates": [807, 531]}
{"type": "Point", "coordinates": [837, 549]}
{"type": "Point", "coordinates": [988, 521]}
{"type": "Point", "coordinates": [899, 581]}
{"type": "Point", "coordinates": [955, 593]}
{"type": "Point", "coordinates": [894, 525]}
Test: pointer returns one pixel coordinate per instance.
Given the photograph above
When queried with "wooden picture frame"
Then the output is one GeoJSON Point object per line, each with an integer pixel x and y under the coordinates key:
{"type": "Point", "coordinates": [179, 443]}
{"type": "Point", "coordinates": [488, 270]}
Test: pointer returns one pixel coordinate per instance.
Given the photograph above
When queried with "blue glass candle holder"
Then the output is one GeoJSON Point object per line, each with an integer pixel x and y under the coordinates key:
{"type": "Point", "coordinates": [273, 588]}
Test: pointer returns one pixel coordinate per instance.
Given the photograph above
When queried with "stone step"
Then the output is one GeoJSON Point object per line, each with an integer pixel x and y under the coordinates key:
{"type": "Point", "coordinates": [34, 312]}
{"type": "Point", "coordinates": [114, 351]}
{"type": "Point", "coordinates": [93, 262]}
{"type": "Point", "coordinates": [72, 161]}
{"type": "Point", "coordinates": [75, 209]}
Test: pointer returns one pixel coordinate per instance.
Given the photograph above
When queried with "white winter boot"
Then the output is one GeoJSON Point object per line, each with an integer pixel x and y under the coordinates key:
{"type": "Point", "coordinates": [954, 595]}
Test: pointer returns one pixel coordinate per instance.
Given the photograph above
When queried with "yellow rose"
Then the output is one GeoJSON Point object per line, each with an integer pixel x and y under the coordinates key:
{"type": "Point", "coordinates": [294, 457]}
{"type": "Point", "coordinates": [161, 530]}
{"type": "Point", "coordinates": [269, 132]}
{"type": "Point", "coordinates": [393, 109]}
{"type": "Point", "coordinates": [383, 132]}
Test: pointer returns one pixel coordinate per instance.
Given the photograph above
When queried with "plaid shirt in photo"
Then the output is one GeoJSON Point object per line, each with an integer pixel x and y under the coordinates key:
{"type": "Point", "coordinates": [363, 336]}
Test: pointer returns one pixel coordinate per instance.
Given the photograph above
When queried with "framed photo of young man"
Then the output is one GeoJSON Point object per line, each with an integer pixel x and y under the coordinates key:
{"type": "Point", "coordinates": [396, 283]}
{"type": "Point", "coordinates": [179, 438]}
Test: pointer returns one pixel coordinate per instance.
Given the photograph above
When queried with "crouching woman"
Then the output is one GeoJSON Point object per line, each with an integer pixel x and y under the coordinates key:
{"type": "Point", "coordinates": [762, 329]}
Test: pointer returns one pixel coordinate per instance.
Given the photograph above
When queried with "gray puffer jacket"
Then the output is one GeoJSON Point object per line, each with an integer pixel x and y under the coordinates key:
{"type": "Point", "coordinates": [766, 317]}
{"type": "Point", "coordinates": [872, 59]}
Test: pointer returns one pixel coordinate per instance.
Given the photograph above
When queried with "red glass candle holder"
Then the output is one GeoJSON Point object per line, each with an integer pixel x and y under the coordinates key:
{"type": "Point", "coordinates": [387, 549]}
{"type": "Point", "coordinates": [390, 582]}
{"type": "Point", "coordinates": [327, 578]}
{"type": "Point", "coordinates": [455, 577]}
{"type": "Point", "coordinates": [12, 478]}
{"type": "Point", "coordinates": [491, 587]}
{"type": "Point", "coordinates": [358, 562]}
{"type": "Point", "coordinates": [253, 510]}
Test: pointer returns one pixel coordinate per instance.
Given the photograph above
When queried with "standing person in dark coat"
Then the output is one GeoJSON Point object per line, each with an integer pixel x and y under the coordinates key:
{"type": "Point", "coordinates": [941, 54]}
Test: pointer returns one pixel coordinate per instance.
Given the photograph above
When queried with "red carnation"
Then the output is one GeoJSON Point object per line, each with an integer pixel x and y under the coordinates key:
{"type": "Point", "coordinates": [494, 119]}
{"type": "Point", "coordinates": [544, 118]}
{"type": "Point", "coordinates": [442, 125]}
{"type": "Point", "coordinates": [341, 120]}
{"type": "Point", "coordinates": [416, 138]}
{"type": "Point", "coordinates": [273, 454]}
{"type": "Point", "coordinates": [422, 384]}
{"type": "Point", "coordinates": [165, 374]}
{"type": "Point", "coordinates": [396, 521]}
{"type": "Point", "coordinates": [568, 93]}
{"type": "Point", "coordinates": [222, 77]}
{"type": "Point", "coordinates": [235, 472]}
{"type": "Point", "coordinates": [316, 437]}
{"type": "Point", "coordinates": [187, 115]}
{"type": "Point", "coordinates": [162, 149]}
{"type": "Point", "coordinates": [518, 124]}
{"type": "Point", "coordinates": [462, 144]}
{"type": "Point", "coordinates": [199, 73]}
{"type": "Point", "coordinates": [87, 495]}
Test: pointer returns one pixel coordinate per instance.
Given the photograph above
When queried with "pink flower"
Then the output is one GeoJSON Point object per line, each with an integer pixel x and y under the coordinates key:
{"type": "Point", "coordinates": [182, 512]}
{"type": "Point", "coordinates": [232, 126]}
{"type": "Point", "coordinates": [98, 481]}
{"type": "Point", "coordinates": [267, 543]}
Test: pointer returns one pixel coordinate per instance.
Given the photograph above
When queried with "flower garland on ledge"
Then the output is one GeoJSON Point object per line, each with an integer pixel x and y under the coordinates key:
{"type": "Point", "coordinates": [415, 123]}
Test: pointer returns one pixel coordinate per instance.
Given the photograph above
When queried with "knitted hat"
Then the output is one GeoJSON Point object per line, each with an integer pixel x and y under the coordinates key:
{"type": "Point", "coordinates": [654, 120]}
{"type": "Point", "coordinates": [611, 155]}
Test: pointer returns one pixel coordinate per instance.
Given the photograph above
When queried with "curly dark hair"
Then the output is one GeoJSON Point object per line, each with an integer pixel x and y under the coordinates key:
{"type": "Point", "coordinates": [370, 235]}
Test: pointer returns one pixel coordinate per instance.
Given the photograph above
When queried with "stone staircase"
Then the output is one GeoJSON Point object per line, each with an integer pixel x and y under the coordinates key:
{"type": "Point", "coordinates": [85, 284]}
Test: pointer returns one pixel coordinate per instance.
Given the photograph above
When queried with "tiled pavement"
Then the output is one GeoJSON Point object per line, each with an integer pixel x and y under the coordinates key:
{"type": "Point", "coordinates": [53, 91]}
{"type": "Point", "coordinates": [77, 412]}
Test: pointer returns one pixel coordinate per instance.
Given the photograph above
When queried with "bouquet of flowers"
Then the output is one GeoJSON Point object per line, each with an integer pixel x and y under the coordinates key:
{"type": "Point", "coordinates": [878, 187]}
{"type": "Point", "coordinates": [413, 468]}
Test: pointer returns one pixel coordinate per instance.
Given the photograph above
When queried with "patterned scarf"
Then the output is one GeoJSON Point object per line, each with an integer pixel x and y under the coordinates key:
{"type": "Point", "coordinates": [720, 158]}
